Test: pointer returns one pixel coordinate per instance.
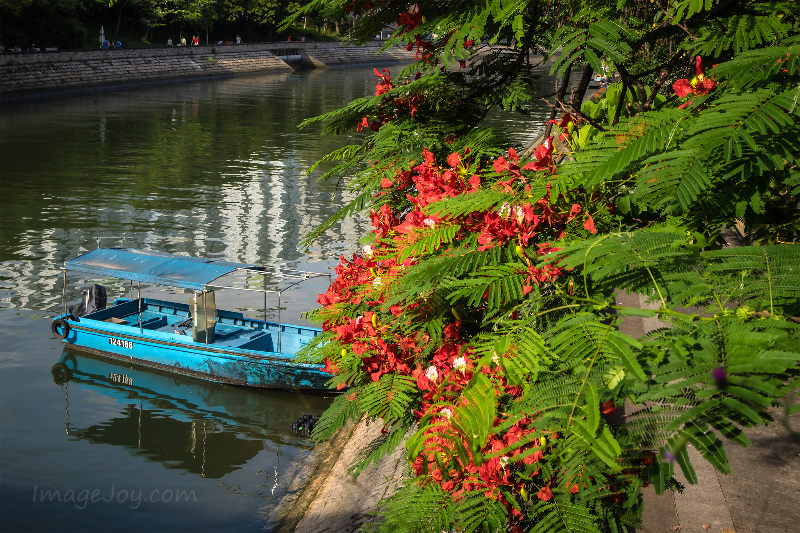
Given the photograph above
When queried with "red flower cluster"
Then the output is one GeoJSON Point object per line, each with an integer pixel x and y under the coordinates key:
{"type": "Point", "coordinates": [356, 281]}
{"type": "Point", "coordinates": [349, 276]}
{"type": "Point", "coordinates": [424, 49]}
{"type": "Point", "coordinates": [384, 82]}
{"type": "Point", "coordinates": [442, 371]}
{"type": "Point", "coordinates": [457, 471]}
{"type": "Point", "coordinates": [520, 222]}
{"type": "Point", "coordinates": [410, 18]}
{"type": "Point", "coordinates": [390, 107]}
{"type": "Point", "coordinates": [568, 123]}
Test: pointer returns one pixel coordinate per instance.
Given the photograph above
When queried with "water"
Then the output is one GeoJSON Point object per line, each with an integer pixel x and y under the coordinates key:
{"type": "Point", "coordinates": [213, 168]}
{"type": "Point", "coordinates": [157, 453]}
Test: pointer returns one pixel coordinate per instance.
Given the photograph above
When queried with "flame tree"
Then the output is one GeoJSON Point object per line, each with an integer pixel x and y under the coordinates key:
{"type": "Point", "coordinates": [479, 322]}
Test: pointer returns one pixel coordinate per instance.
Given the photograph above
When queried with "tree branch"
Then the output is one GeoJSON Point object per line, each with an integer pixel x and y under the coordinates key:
{"type": "Point", "coordinates": [577, 112]}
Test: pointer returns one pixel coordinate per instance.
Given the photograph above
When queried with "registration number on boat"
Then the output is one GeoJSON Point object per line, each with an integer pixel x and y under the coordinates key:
{"type": "Point", "coordinates": [121, 343]}
{"type": "Point", "coordinates": [120, 378]}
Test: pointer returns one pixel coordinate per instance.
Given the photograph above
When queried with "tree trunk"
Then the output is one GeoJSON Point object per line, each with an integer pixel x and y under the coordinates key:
{"type": "Point", "coordinates": [562, 91]}
{"type": "Point", "coordinates": [580, 92]}
{"type": "Point", "coordinates": [119, 19]}
{"type": "Point", "coordinates": [560, 95]}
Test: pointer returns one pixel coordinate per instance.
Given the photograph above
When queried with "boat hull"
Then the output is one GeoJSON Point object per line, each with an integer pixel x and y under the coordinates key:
{"type": "Point", "coordinates": [233, 360]}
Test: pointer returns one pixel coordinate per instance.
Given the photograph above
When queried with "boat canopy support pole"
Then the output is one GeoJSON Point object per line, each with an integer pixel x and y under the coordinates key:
{"type": "Point", "coordinates": [64, 291]}
{"type": "Point", "coordinates": [265, 296]}
{"type": "Point", "coordinates": [279, 323]}
{"type": "Point", "coordinates": [139, 295]}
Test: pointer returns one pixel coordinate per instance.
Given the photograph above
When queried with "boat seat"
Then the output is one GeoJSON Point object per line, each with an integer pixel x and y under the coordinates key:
{"type": "Point", "coordinates": [227, 334]}
{"type": "Point", "coordinates": [155, 322]}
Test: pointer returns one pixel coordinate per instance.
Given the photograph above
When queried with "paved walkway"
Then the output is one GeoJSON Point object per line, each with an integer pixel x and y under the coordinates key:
{"type": "Point", "coordinates": [761, 495]}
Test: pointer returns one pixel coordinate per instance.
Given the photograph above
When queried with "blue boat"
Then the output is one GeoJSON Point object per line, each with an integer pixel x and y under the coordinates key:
{"type": "Point", "coordinates": [195, 338]}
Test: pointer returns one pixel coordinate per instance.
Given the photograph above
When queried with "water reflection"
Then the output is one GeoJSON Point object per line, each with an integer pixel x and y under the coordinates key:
{"type": "Point", "coordinates": [212, 168]}
{"type": "Point", "coordinates": [191, 425]}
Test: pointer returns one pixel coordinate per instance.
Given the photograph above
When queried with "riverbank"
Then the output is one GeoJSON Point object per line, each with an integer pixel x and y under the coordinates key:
{"type": "Point", "coordinates": [26, 76]}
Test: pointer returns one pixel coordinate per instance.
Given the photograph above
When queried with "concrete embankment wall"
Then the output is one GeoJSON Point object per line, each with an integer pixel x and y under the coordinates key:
{"type": "Point", "coordinates": [39, 74]}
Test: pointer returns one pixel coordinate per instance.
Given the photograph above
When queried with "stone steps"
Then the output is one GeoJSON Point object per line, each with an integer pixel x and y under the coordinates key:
{"type": "Point", "coordinates": [332, 56]}
{"type": "Point", "coordinates": [101, 72]}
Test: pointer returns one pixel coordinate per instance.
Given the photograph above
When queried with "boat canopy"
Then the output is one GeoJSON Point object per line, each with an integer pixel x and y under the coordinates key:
{"type": "Point", "coordinates": [155, 267]}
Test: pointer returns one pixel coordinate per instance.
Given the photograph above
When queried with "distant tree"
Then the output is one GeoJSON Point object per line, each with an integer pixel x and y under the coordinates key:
{"type": "Point", "coordinates": [44, 22]}
{"type": "Point", "coordinates": [256, 16]}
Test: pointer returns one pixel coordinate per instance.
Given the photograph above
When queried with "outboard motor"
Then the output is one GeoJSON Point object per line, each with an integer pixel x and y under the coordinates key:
{"type": "Point", "coordinates": [94, 299]}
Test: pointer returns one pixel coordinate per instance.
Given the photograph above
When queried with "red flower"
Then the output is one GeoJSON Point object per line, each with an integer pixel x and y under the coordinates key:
{"type": "Point", "coordinates": [545, 494]}
{"type": "Point", "coordinates": [573, 212]}
{"type": "Point", "coordinates": [700, 85]}
{"type": "Point", "coordinates": [454, 159]}
{"type": "Point", "coordinates": [566, 122]}
{"type": "Point", "coordinates": [540, 275]}
{"type": "Point", "coordinates": [608, 408]}
{"type": "Point", "coordinates": [544, 156]}
{"type": "Point", "coordinates": [385, 82]}
{"type": "Point", "coordinates": [410, 18]}
{"type": "Point", "coordinates": [382, 220]}
{"type": "Point", "coordinates": [589, 224]}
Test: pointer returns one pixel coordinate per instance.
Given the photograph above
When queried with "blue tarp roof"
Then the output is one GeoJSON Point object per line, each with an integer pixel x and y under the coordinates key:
{"type": "Point", "coordinates": [154, 267]}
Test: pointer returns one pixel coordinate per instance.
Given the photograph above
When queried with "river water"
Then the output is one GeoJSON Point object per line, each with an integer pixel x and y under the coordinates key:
{"type": "Point", "coordinates": [214, 168]}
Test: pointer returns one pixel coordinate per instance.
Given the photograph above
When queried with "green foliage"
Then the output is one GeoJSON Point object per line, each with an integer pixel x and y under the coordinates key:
{"type": "Point", "coordinates": [74, 24]}
{"type": "Point", "coordinates": [503, 357]}
{"type": "Point", "coordinates": [414, 508]}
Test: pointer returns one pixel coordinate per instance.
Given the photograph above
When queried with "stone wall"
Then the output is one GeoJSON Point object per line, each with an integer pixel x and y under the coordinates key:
{"type": "Point", "coordinates": [46, 73]}
{"type": "Point", "coordinates": [337, 55]}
